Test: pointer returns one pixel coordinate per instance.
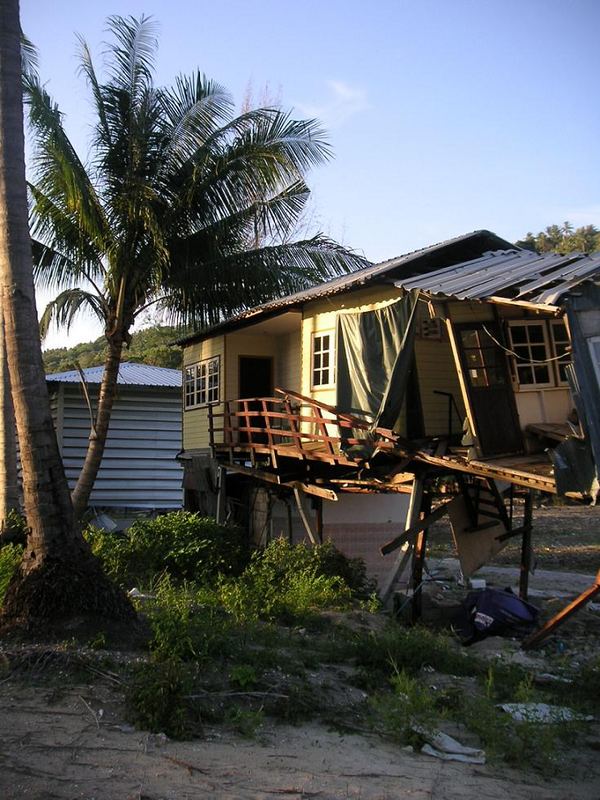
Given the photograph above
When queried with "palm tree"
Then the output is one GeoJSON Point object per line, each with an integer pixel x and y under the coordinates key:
{"type": "Point", "coordinates": [58, 574]}
{"type": "Point", "coordinates": [182, 205]}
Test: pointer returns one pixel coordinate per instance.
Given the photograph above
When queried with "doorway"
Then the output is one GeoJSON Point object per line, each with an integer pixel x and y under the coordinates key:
{"type": "Point", "coordinates": [489, 388]}
{"type": "Point", "coordinates": [255, 381]}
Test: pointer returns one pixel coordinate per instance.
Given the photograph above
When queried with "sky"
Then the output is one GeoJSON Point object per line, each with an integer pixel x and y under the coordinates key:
{"type": "Point", "coordinates": [445, 116]}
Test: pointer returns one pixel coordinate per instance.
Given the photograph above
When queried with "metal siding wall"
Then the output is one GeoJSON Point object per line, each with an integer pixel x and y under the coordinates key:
{"type": "Point", "coordinates": [139, 469]}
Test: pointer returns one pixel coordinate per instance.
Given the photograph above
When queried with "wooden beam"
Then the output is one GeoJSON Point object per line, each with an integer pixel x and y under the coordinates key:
{"type": "Point", "coordinates": [526, 547]}
{"type": "Point", "coordinates": [414, 530]}
{"type": "Point", "coordinates": [303, 516]}
{"type": "Point", "coordinates": [412, 516]}
{"type": "Point", "coordinates": [270, 477]}
{"type": "Point", "coordinates": [419, 563]}
{"type": "Point", "coordinates": [562, 616]}
{"type": "Point", "coordinates": [462, 381]}
{"type": "Point", "coordinates": [221, 494]}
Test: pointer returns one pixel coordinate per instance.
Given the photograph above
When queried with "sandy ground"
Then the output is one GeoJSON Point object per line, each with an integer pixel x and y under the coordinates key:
{"type": "Point", "coordinates": [75, 745]}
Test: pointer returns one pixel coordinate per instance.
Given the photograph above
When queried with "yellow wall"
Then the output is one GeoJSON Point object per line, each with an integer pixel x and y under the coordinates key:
{"type": "Point", "coordinates": [320, 317]}
{"type": "Point", "coordinates": [241, 343]}
{"type": "Point", "coordinates": [288, 365]}
{"type": "Point", "coordinates": [195, 420]}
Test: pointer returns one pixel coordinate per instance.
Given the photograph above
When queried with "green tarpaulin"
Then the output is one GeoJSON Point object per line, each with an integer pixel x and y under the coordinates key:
{"type": "Point", "coordinates": [374, 355]}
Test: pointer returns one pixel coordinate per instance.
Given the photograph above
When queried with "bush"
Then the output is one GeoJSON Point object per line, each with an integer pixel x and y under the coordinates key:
{"type": "Point", "coordinates": [188, 624]}
{"type": "Point", "coordinates": [409, 649]}
{"type": "Point", "coordinates": [181, 544]}
{"type": "Point", "coordinates": [285, 582]}
{"type": "Point", "coordinates": [10, 557]}
{"type": "Point", "coordinates": [156, 698]}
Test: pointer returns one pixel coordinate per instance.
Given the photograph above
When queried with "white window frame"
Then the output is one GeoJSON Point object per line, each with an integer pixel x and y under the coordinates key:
{"type": "Point", "coordinates": [314, 353]}
{"type": "Point", "coordinates": [202, 383]}
{"type": "Point", "coordinates": [554, 324]}
{"type": "Point", "coordinates": [528, 323]}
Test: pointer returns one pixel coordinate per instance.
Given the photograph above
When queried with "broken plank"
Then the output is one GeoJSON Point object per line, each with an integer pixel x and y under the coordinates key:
{"type": "Point", "coordinates": [409, 533]}
{"type": "Point", "coordinates": [562, 616]}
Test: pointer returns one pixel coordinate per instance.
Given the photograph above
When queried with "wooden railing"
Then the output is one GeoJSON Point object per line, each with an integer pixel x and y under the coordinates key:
{"type": "Point", "coordinates": [294, 426]}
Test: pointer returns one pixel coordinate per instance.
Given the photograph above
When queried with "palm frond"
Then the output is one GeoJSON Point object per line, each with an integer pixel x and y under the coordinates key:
{"type": "Point", "coordinates": [59, 173]}
{"type": "Point", "coordinates": [205, 293]}
{"type": "Point", "coordinates": [194, 109]}
{"type": "Point", "coordinates": [29, 57]}
{"type": "Point", "coordinates": [132, 54]}
{"type": "Point", "coordinates": [64, 308]}
{"type": "Point", "coordinates": [86, 67]}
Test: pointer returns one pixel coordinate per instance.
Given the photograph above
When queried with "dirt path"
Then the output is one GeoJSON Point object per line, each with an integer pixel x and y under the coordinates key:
{"type": "Point", "coordinates": [76, 746]}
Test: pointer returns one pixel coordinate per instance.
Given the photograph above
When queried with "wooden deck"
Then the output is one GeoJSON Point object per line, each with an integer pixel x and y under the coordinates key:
{"type": "Point", "coordinates": [268, 430]}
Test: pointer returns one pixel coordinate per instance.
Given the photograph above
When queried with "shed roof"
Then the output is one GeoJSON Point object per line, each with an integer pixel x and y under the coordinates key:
{"type": "Point", "coordinates": [515, 274]}
{"type": "Point", "coordinates": [130, 374]}
{"type": "Point", "coordinates": [427, 259]}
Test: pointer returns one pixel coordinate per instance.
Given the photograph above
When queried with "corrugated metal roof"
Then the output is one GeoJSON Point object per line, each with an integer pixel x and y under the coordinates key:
{"type": "Point", "coordinates": [469, 245]}
{"type": "Point", "coordinates": [130, 374]}
{"type": "Point", "coordinates": [513, 274]}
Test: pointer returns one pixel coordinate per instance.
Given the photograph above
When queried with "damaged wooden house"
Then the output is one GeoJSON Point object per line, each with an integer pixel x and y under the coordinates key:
{"type": "Point", "coordinates": [336, 412]}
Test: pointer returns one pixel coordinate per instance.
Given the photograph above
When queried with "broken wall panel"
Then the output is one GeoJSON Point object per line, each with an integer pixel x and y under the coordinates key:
{"type": "Point", "coordinates": [357, 524]}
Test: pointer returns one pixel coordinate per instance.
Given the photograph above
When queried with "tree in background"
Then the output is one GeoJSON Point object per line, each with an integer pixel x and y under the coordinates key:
{"type": "Point", "coordinates": [563, 239]}
{"type": "Point", "coordinates": [58, 574]}
{"type": "Point", "coordinates": [148, 346]}
{"type": "Point", "coordinates": [170, 208]}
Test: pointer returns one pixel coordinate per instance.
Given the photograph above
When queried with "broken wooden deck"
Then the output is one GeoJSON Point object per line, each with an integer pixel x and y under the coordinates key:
{"type": "Point", "coordinates": [267, 431]}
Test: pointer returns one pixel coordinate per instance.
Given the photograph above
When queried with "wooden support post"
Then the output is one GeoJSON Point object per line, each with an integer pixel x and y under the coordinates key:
{"type": "Point", "coordinates": [319, 509]}
{"type": "Point", "coordinates": [412, 516]}
{"type": "Point", "coordinates": [562, 616]}
{"type": "Point", "coordinates": [221, 494]}
{"type": "Point", "coordinates": [526, 546]}
{"type": "Point", "coordinates": [303, 516]}
{"type": "Point", "coordinates": [418, 563]}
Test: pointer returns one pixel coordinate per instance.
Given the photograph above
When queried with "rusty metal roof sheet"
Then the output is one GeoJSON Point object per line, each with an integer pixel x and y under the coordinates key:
{"type": "Point", "coordinates": [519, 275]}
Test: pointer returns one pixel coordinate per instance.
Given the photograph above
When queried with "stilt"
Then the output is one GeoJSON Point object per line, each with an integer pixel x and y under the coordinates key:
{"type": "Point", "coordinates": [418, 563]}
{"type": "Point", "coordinates": [221, 494]}
{"type": "Point", "coordinates": [412, 517]}
{"type": "Point", "coordinates": [319, 510]}
{"type": "Point", "coordinates": [526, 546]}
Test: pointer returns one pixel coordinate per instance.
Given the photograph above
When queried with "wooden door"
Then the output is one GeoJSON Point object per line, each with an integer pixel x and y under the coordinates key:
{"type": "Point", "coordinates": [489, 387]}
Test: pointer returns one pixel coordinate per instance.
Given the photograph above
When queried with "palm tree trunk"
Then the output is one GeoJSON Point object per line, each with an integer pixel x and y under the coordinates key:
{"type": "Point", "coordinates": [93, 457]}
{"type": "Point", "coordinates": [58, 575]}
{"type": "Point", "coordinates": [9, 486]}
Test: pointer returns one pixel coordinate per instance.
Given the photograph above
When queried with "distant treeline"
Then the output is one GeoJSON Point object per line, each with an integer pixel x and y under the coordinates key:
{"type": "Point", "coordinates": [149, 346]}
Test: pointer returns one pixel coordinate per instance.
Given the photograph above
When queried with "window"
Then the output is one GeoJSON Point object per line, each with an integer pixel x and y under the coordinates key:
{"type": "Point", "coordinates": [322, 360]}
{"type": "Point", "coordinates": [542, 353]}
{"type": "Point", "coordinates": [201, 385]}
{"type": "Point", "coordinates": [562, 350]}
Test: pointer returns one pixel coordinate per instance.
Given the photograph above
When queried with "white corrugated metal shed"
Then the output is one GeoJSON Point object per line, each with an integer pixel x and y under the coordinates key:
{"type": "Point", "coordinates": [130, 374]}
{"type": "Point", "coordinates": [139, 469]}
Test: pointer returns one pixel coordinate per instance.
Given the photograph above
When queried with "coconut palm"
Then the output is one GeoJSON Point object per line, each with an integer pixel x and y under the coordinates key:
{"type": "Point", "coordinates": [182, 205]}
{"type": "Point", "coordinates": [58, 574]}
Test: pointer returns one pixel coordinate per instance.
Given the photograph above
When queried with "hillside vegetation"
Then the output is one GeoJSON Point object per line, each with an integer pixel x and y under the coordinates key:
{"type": "Point", "coordinates": [148, 346]}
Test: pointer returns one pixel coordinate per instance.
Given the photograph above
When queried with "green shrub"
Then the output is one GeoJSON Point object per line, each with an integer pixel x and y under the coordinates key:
{"type": "Point", "coordinates": [181, 544]}
{"type": "Point", "coordinates": [284, 582]}
{"type": "Point", "coordinates": [10, 558]}
{"type": "Point", "coordinates": [409, 712]}
{"type": "Point", "coordinates": [410, 649]}
{"type": "Point", "coordinates": [188, 624]}
{"type": "Point", "coordinates": [156, 697]}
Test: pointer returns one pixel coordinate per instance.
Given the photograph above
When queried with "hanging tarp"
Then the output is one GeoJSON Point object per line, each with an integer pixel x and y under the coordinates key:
{"type": "Point", "coordinates": [374, 354]}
